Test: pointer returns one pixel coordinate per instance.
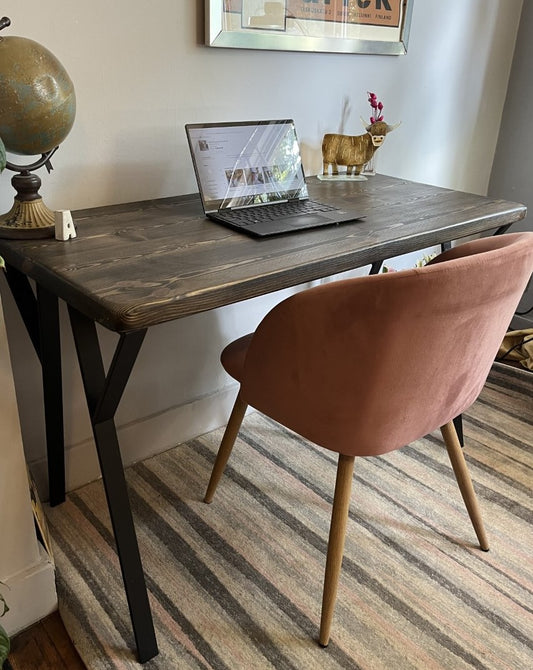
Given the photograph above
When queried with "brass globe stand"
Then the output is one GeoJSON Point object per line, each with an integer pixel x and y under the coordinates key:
{"type": "Point", "coordinates": [29, 218]}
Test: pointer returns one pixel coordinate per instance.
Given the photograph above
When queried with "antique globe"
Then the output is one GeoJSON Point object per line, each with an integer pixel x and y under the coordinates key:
{"type": "Point", "coordinates": [37, 111]}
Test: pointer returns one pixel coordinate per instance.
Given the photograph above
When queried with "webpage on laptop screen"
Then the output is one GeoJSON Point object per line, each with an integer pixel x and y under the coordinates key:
{"type": "Point", "coordinates": [246, 164]}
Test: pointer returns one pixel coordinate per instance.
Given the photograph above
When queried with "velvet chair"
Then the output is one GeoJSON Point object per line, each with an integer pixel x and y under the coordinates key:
{"type": "Point", "coordinates": [364, 366]}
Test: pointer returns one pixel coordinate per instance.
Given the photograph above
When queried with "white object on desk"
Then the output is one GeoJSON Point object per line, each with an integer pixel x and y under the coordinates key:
{"type": "Point", "coordinates": [64, 225]}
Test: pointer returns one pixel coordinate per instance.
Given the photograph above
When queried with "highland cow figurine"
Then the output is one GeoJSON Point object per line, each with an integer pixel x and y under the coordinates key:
{"type": "Point", "coordinates": [354, 151]}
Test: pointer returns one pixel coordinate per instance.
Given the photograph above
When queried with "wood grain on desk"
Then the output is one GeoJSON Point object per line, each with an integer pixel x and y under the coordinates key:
{"type": "Point", "coordinates": [135, 265]}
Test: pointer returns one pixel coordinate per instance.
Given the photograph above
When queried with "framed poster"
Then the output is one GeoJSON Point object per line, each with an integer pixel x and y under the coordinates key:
{"type": "Point", "coordinates": [341, 26]}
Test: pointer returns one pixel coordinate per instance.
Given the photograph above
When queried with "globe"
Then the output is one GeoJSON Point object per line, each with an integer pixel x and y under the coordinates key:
{"type": "Point", "coordinates": [37, 99]}
{"type": "Point", "coordinates": [37, 110]}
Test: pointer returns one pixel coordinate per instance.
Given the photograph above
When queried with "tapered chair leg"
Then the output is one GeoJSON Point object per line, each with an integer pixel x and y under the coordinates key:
{"type": "Point", "coordinates": [465, 482]}
{"type": "Point", "coordinates": [224, 451]}
{"type": "Point", "coordinates": [337, 535]}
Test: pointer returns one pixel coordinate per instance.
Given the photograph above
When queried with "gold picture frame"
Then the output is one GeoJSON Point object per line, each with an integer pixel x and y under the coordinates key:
{"type": "Point", "coordinates": [335, 26]}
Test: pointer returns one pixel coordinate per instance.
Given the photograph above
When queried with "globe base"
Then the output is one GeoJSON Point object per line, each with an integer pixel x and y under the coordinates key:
{"type": "Point", "coordinates": [28, 220]}
{"type": "Point", "coordinates": [29, 217]}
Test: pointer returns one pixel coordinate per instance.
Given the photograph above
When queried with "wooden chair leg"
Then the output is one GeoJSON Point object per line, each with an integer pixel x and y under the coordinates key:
{"type": "Point", "coordinates": [224, 451]}
{"type": "Point", "coordinates": [337, 534]}
{"type": "Point", "coordinates": [465, 482]}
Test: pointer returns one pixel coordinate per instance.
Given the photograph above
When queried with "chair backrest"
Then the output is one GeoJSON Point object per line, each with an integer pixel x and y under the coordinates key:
{"type": "Point", "coordinates": [367, 365]}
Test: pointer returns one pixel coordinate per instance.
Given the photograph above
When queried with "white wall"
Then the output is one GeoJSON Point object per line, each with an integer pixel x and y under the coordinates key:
{"type": "Point", "coordinates": [512, 177]}
{"type": "Point", "coordinates": [141, 72]}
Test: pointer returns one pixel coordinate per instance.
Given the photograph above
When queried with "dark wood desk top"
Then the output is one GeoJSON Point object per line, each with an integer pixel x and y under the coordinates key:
{"type": "Point", "coordinates": [135, 265]}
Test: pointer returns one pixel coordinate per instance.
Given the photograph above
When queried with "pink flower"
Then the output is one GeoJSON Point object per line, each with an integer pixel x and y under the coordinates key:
{"type": "Point", "coordinates": [376, 106]}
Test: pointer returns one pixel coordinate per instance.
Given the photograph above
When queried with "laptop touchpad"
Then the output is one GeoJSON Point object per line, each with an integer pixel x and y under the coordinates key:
{"type": "Point", "coordinates": [303, 220]}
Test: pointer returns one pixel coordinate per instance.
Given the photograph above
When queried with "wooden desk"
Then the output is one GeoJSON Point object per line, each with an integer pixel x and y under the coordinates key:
{"type": "Point", "coordinates": [136, 265]}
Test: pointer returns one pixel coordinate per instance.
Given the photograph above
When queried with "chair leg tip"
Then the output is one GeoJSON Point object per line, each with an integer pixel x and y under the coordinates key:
{"type": "Point", "coordinates": [208, 500]}
{"type": "Point", "coordinates": [323, 640]}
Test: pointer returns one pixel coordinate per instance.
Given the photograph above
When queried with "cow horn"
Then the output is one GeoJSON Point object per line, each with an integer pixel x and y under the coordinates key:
{"type": "Point", "coordinates": [367, 128]}
{"type": "Point", "coordinates": [391, 128]}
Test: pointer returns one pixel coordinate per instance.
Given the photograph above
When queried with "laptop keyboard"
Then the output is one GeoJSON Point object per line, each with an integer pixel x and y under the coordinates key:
{"type": "Point", "coordinates": [272, 212]}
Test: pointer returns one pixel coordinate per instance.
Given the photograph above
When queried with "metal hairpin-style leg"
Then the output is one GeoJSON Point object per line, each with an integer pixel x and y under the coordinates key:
{"type": "Point", "coordinates": [103, 393]}
{"type": "Point", "coordinates": [41, 318]}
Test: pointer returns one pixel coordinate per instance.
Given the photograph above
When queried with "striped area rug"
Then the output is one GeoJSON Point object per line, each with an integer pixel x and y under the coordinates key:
{"type": "Point", "coordinates": [237, 584]}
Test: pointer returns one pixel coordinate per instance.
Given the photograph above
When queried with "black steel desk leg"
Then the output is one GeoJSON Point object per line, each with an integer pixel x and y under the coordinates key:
{"type": "Point", "coordinates": [105, 436]}
{"type": "Point", "coordinates": [50, 355]}
{"type": "Point", "coordinates": [41, 318]}
{"type": "Point", "coordinates": [103, 395]}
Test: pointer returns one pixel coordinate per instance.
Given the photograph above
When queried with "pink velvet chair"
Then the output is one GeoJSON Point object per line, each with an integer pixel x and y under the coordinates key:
{"type": "Point", "coordinates": [364, 366]}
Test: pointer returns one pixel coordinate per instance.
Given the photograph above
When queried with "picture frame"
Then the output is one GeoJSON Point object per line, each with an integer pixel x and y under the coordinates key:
{"type": "Point", "coordinates": [332, 26]}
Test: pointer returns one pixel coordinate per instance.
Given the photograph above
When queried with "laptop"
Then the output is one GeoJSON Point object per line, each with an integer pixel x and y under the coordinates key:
{"type": "Point", "coordinates": [250, 177]}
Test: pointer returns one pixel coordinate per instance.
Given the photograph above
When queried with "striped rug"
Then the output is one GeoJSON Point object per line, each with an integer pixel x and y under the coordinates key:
{"type": "Point", "coordinates": [237, 584]}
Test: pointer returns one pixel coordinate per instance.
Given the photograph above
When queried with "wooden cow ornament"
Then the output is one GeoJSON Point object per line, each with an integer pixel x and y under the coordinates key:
{"type": "Point", "coordinates": [353, 151]}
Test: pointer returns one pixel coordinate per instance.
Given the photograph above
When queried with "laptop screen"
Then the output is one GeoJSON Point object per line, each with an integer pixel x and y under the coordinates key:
{"type": "Point", "coordinates": [246, 163]}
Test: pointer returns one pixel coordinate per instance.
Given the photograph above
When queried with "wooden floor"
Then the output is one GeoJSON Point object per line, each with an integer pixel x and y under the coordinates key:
{"type": "Point", "coordinates": [45, 646]}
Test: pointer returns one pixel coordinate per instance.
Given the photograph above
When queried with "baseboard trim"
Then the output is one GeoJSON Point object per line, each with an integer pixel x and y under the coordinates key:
{"type": "Point", "coordinates": [142, 438]}
{"type": "Point", "coordinates": [30, 594]}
